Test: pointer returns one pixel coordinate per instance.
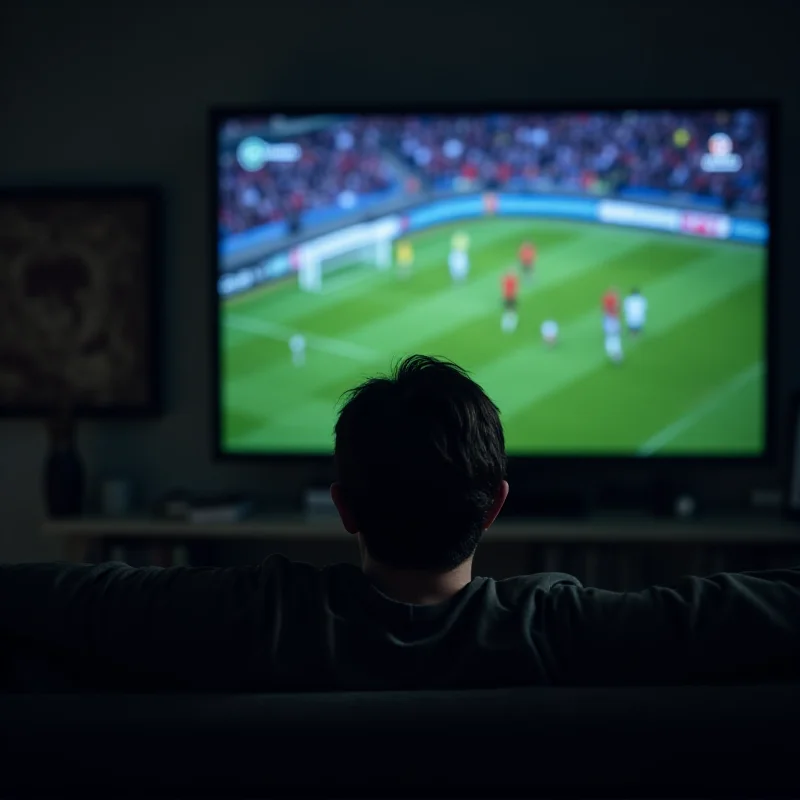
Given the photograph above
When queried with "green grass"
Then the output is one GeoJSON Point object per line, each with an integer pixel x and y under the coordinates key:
{"type": "Point", "coordinates": [691, 384]}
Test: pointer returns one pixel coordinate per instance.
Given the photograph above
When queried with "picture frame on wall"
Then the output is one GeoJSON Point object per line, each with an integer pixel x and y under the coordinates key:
{"type": "Point", "coordinates": [79, 317]}
{"type": "Point", "coordinates": [792, 482]}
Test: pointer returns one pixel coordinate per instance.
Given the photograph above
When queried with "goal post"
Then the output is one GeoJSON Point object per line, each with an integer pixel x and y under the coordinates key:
{"type": "Point", "coordinates": [368, 243]}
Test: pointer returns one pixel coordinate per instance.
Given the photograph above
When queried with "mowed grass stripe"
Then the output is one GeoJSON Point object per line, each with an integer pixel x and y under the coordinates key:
{"type": "Point", "coordinates": [734, 426]}
{"type": "Point", "coordinates": [707, 406]}
{"type": "Point", "coordinates": [309, 430]}
{"type": "Point", "coordinates": [260, 406]}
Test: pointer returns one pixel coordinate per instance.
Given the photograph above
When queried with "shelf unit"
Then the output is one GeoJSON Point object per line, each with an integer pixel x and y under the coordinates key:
{"type": "Point", "coordinates": [87, 535]}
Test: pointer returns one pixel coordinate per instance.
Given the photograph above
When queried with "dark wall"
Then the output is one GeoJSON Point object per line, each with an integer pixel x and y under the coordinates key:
{"type": "Point", "coordinates": [119, 91]}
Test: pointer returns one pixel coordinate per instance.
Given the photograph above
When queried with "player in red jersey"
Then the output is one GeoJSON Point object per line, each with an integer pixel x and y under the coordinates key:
{"type": "Point", "coordinates": [611, 325]}
{"type": "Point", "coordinates": [510, 286]}
{"type": "Point", "coordinates": [527, 259]}
{"type": "Point", "coordinates": [611, 303]}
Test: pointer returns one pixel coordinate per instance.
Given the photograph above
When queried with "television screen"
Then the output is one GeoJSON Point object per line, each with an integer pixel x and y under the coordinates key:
{"type": "Point", "coordinates": [602, 274]}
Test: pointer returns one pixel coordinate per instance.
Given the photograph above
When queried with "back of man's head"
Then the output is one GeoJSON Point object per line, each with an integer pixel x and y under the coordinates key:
{"type": "Point", "coordinates": [420, 456]}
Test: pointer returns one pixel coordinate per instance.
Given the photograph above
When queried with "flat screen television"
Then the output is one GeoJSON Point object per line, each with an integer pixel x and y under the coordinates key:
{"type": "Point", "coordinates": [603, 272]}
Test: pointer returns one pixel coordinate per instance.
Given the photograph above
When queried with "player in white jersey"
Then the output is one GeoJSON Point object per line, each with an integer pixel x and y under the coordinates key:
{"type": "Point", "coordinates": [612, 330]}
{"type": "Point", "coordinates": [635, 308]}
{"type": "Point", "coordinates": [550, 332]}
{"type": "Point", "coordinates": [459, 264]}
{"type": "Point", "coordinates": [297, 344]}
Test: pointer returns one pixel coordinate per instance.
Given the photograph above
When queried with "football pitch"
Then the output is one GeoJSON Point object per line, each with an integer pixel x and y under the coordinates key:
{"type": "Point", "coordinates": [691, 383]}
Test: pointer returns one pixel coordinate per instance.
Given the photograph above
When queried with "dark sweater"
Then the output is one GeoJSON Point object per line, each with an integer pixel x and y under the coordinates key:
{"type": "Point", "coordinates": [285, 626]}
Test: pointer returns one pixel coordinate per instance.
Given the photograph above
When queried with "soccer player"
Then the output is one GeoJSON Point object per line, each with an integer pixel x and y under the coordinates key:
{"type": "Point", "coordinates": [550, 332]}
{"type": "Point", "coordinates": [405, 257]}
{"type": "Point", "coordinates": [612, 327]}
{"type": "Point", "coordinates": [635, 307]}
{"type": "Point", "coordinates": [460, 241]}
{"type": "Point", "coordinates": [459, 265]}
{"type": "Point", "coordinates": [611, 303]}
{"type": "Point", "coordinates": [297, 344]}
{"type": "Point", "coordinates": [459, 256]}
{"type": "Point", "coordinates": [510, 286]}
{"type": "Point", "coordinates": [527, 259]}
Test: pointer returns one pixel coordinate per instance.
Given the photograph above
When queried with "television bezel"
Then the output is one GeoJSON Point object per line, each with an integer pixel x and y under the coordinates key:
{"type": "Point", "coordinates": [318, 461]}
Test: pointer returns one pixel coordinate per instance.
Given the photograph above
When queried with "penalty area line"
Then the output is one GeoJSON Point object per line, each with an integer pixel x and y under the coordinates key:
{"type": "Point", "coordinates": [703, 409]}
{"type": "Point", "coordinates": [281, 333]}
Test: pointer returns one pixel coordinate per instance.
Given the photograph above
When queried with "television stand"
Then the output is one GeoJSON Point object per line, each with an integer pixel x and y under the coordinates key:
{"type": "Point", "coordinates": [78, 534]}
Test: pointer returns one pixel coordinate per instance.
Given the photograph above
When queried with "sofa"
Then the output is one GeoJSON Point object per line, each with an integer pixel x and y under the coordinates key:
{"type": "Point", "coordinates": [532, 742]}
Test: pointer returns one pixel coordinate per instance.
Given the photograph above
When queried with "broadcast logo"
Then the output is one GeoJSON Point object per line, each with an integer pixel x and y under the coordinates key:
{"type": "Point", "coordinates": [720, 156]}
{"type": "Point", "coordinates": [253, 153]}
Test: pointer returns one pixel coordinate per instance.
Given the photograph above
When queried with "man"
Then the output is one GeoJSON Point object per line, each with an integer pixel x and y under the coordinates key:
{"type": "Point", "coordinates": [635, 307]}
{"type": "Point", "coordinates": [527, 259]}
{"type": "Point", "coordinates": [458, 259]}
{"type": "Point", "coordinates": [612, 327]}
{"type": "Point", "coordinates": [458, 262]}
{"type": "Point", "coordinates": [611, 303]}
{"type": "Point", "coordinates": [421, 465]}
{"type": "Point", "coordinates": [510, 288]}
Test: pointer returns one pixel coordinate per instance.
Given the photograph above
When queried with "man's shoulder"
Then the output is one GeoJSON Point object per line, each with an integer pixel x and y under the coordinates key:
{"type": "Point", "coordinates": [519, 587]}
{"type": "Point", "coordinates": [540, 580]}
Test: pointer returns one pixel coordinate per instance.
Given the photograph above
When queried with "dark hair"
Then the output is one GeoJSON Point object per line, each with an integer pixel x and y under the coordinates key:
{"type": "Point", "coordinates": [419, 455]}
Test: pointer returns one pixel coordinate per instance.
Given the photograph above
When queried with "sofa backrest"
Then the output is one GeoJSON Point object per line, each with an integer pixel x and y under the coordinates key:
{"type": "Point", "coordinates": [678, 742]}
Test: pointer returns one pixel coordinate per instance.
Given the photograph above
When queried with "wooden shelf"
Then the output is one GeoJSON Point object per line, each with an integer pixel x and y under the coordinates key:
{"type": "Point", "coordinates": [611, 530]}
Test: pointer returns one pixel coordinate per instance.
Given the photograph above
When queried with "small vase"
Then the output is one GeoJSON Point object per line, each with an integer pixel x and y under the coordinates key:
{"type": "Point", "coordinates": [64, 475]}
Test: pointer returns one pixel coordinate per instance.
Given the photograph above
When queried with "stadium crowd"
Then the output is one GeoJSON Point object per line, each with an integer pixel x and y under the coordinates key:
{"type": "Point", "coordinates": [338, 164]}
{"type": "Point", "coordinates": [592, 152]}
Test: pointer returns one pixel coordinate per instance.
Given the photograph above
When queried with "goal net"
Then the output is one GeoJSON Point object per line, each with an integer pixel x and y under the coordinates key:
{"type": "Point", "coordinates": [368, 244]}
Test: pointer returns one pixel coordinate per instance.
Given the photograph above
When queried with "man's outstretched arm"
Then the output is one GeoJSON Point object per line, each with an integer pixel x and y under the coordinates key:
{"type": "Point", "coordinates": [191, 628]}
{"type": "Point", "coordinates": [725, 628]}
